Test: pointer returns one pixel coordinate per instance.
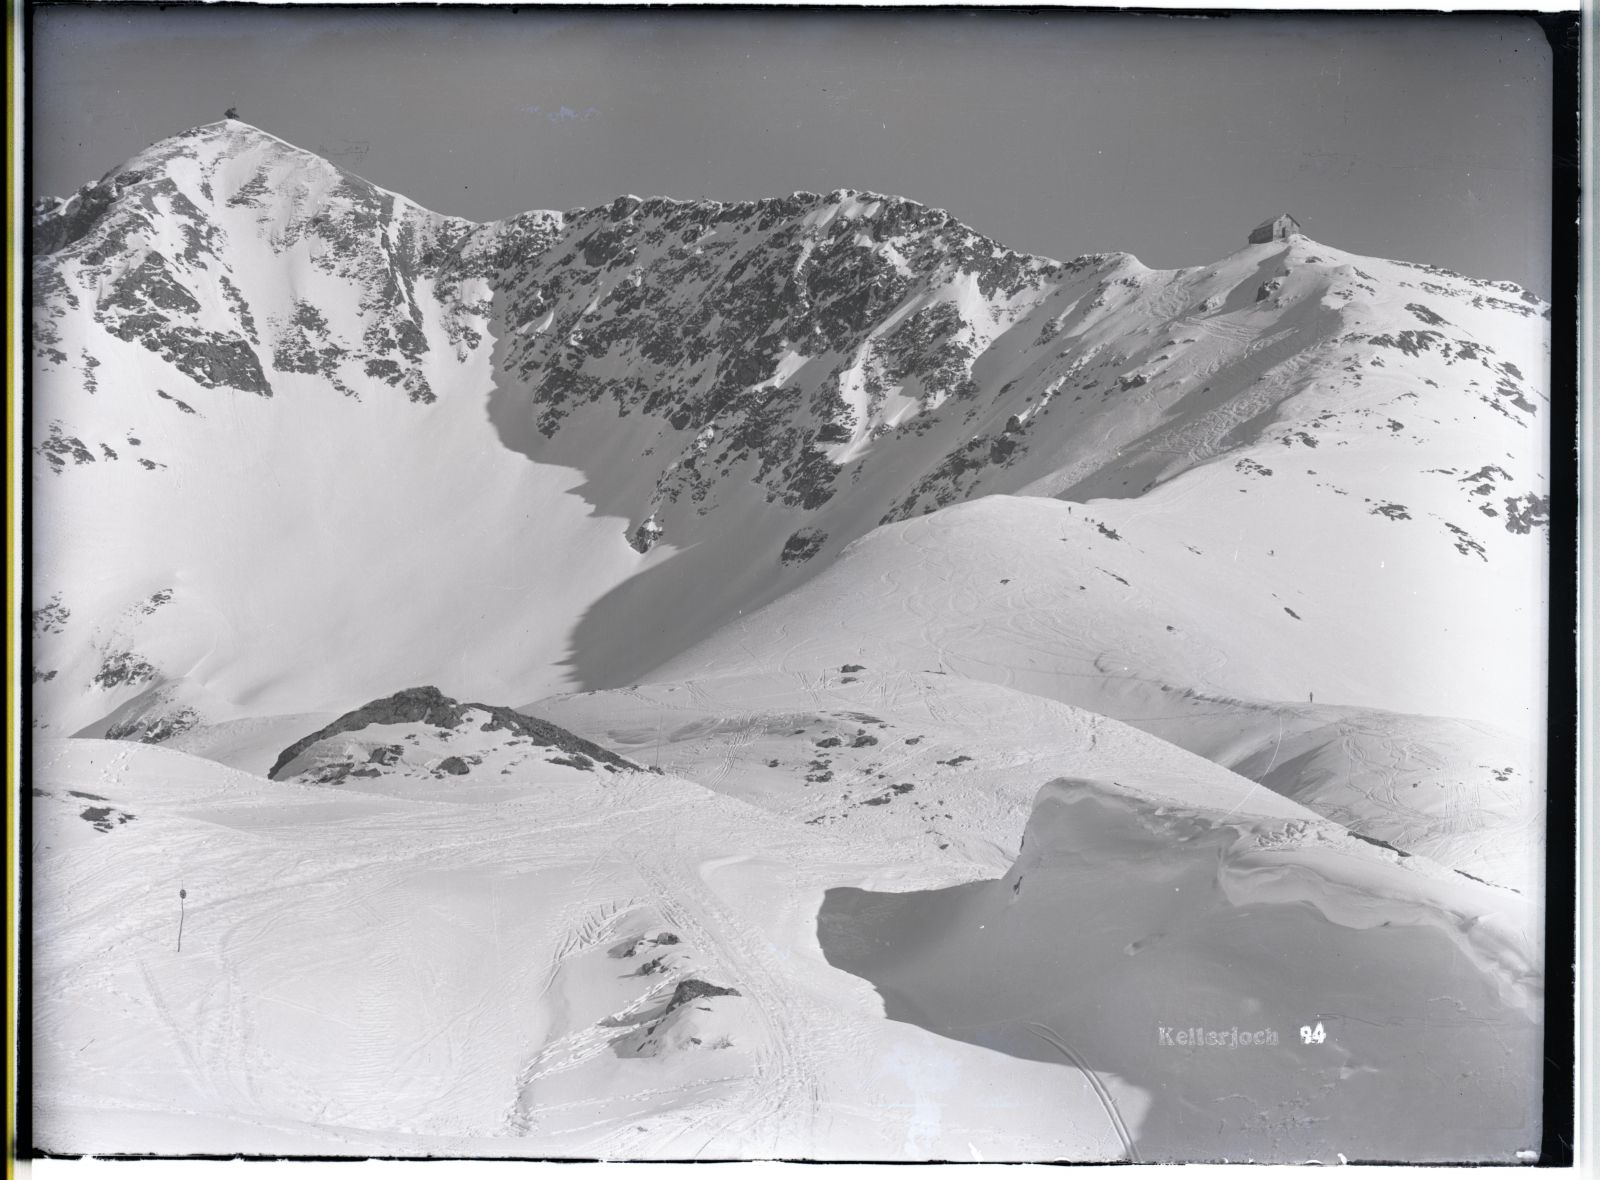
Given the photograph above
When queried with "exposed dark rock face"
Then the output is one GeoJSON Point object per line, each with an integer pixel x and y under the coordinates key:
{"type": "Point", "coordinates": [154, 725]}
{"type": "Point", "coordinates": [51, 618]}
{"type": "Point", "coordinates": [428, 706]}
{"type": "Point", "coordinates": [306, 346]}
{"type": "Point", "coordinates": [124, 667]}
{"type": "Point", "coordinates": [677, 311]}
{"type": "Point", "coordinates": [105, 237]}
{"type": "Point", "coordinates": [59, 448]}
{"type": "Point", "coordinates": [690, 990]}
{"type": "Point", "coordinates": [210, 358]}
{"type": "Point", "coordinates": [803, 545]}
{"type": "Point", "coordinates": [105, 819]}
{"type": "Point", "coordinates": [689, 314]}
{"type": "Point", "coordinates": [701, 301]}
{"type": "Point", "coordinates": [1525, 513]}
{"type": "Point", "coordinates": [644, 537]}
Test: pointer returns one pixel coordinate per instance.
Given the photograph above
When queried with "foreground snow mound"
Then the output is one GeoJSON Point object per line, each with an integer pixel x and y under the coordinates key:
{"type": "Point", "coordinates": [1274, 990]}
{"type": "Point", "coordinates": [422, 731]}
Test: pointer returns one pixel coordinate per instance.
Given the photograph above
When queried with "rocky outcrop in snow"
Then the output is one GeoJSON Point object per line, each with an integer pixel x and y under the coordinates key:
{"type": "Point", "coordinates": [428, 707]}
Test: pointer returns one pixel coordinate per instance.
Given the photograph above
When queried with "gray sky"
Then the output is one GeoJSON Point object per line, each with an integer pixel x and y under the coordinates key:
{"type": "Point", "coordinates": [1418, 138]}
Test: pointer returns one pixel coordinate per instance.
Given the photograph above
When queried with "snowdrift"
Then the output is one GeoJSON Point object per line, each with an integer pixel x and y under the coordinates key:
{"type": "Point", "coordinates": [1275, 991]}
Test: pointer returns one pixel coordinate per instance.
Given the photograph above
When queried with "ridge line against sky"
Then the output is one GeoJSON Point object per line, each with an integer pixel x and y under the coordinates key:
{"type": "Point", "coordinates": [1422, 138]}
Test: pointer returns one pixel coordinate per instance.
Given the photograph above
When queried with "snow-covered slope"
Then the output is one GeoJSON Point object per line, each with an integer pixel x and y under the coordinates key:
{"type": "Point", "coordinates": [523, 966]}
{"type": "Point", "coordinates": [944, 766]}
{"type": "Point", "coordinates": [581, 961]}
{"type": "Point", "coordinates": [1053, 600]}
{"type": "Point", "coordinates": [853, 528]}
{"type": "Point", "coordinates": [278, 409]}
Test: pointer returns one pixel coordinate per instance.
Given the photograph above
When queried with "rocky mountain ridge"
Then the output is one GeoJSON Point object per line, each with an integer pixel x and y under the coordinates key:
{"type": "Point", "coordinates": [756, 383]}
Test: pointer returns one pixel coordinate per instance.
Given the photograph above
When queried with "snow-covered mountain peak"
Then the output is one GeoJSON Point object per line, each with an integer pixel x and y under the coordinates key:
{"type": "Point", "coordinates": [214, 176]}
{"type": "Point", "coordinates": [742, 389]}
